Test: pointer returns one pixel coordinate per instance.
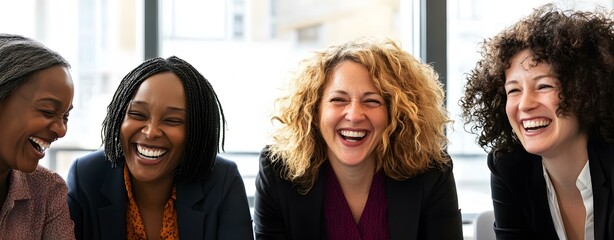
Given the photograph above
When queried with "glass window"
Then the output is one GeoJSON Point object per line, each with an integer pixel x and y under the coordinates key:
{"type": "Point", "coordinates": [247, 49]}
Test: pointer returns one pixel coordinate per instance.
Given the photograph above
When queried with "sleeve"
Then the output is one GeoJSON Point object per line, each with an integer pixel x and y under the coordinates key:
{"type": "Point", "coordinates": [509, 220]}
{"type": "Point", "coordinates": [441, 218]}
{"type": "Point", "coordinates": [74, 206]}
{"type": "Point", "coordinates": [58, 224]}
{"type": "Point", "coordinates": [234, 219]}
{"type": "Point", "coordinates": [268, 219]}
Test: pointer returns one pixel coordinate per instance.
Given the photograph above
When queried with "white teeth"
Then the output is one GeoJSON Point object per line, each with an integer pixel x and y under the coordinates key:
{"type": "Point", "coordinates": [150, 152]}
{"type": "Point", "coordinates": [41, 143]}
{"type": "Point", "coordinates": [347, 133]}
{"type": "Point", "coordinates": [535, 123]}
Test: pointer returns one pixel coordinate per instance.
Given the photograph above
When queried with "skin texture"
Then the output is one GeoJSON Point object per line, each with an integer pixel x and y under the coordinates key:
{"type": "Point", "coordinates": [353, 116]}
{"type": "Point", "coordinates": [38, 109]}
{"type": "Point", "coordinates": [352, 104]}
{"type": "Point", "coordinates": [153, 137]}
{"type": "Point", "coordinates": [155, 120]}
{"type": "Point", "coordinates": [532, 100]}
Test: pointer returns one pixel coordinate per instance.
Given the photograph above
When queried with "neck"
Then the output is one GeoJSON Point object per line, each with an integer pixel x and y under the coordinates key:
{"type": "Point", "coordinates": [565, 167]}
{"type": "Point", "coordinates": [355, 179]}
{"type": "Point", "coordinates": [152, 195]}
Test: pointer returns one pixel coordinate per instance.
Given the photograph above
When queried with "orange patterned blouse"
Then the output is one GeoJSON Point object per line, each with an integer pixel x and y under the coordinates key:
{"type": "Point", "coordinates": [135, 228]}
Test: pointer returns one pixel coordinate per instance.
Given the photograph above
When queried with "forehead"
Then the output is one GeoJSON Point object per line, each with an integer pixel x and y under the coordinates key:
{"type": "Point", "coordinates": [350, 74]}
{"type": "Point", "coordinates": [523, 63]}
{"type": "Point", "coordinates": [53, 82]}
{"type": "Point", "coordinates": [162, 88]}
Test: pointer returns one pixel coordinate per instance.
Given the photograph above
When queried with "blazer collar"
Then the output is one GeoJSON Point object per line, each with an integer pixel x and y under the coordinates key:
{"type": "Point", "coordinates": [538, 195]}
{"type": "Point", "coordinates": [113, 215]}
{"type": "Point", "coordinates": [308, 209]}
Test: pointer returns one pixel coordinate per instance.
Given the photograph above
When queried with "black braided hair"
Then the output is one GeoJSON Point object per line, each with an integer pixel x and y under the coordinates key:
{"type": "Point", "coordinates": [205, 124]}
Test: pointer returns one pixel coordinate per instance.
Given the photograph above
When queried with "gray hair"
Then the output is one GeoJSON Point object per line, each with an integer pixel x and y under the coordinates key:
{"type": "Point", "coordinates": [20, 57]}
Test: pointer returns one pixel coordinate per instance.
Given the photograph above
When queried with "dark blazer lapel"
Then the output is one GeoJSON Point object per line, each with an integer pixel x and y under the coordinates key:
{"type": "Point", "coordinates": [599, 157]}
{"type": "Point", "coordinates": [113, 216]}
{"type": "Point", "coordinates": [191, 220]}
{"type": "Point", "coordinates": [538, 195]}
{"type": "Point", "coordinates": [403, 208]}
{"type": "Point", "coordinates": [306, 211]}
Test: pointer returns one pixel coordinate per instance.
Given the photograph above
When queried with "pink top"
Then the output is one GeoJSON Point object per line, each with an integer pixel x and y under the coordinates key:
{"type": "Point", "coordinates": [36, 207]}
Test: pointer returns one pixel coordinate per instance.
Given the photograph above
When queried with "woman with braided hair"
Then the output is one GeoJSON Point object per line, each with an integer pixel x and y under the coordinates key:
{"type": "Point", "coordinates": [159, 175]}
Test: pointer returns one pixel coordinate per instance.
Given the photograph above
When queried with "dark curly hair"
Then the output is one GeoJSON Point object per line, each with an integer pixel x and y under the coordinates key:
{"type": "Point", "coordinates": [578, 45]}
{"type": "Point", "coordinates": [205, 123]}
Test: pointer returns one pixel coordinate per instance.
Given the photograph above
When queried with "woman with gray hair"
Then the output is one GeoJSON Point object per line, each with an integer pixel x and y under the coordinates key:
{"type": "Point", "coordinates": [36, 92]}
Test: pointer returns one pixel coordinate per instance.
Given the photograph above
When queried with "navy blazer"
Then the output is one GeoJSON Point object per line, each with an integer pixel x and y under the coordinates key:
{"type": "Point", "coordinates": [216, 209]}
{"type": "Point", "coordinates": [422, 207]}
{"type": "Point", "coordinates": [520, 198]}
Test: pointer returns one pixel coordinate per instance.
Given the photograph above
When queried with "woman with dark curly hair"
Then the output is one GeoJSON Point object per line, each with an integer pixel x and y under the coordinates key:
{"type": "Point", "coordinates": [540, 100]}
{"type": "Point", "coordinates": [359, 152]}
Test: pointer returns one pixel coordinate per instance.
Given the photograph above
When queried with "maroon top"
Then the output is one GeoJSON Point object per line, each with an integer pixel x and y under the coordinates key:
{"type": "Point", "coordinates": [373, 223]}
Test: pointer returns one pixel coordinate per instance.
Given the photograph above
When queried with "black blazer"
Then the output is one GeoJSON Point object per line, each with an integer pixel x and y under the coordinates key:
{"type": "Point", "coordinates": [216, 209]}
{"type": "Point", "coordinates": [520, 198]}
{"type": "Point", "coordinates": [423, 207]}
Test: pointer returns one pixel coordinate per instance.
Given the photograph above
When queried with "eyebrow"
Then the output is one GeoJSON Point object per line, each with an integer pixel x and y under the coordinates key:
{"type": "Point", "coordinates": [534, 79]}
{"type": "Point", "coordinates": [345, 93]}
{"type": "Point", "coordinates": [176, 109]}
{"type": "Point", "coordinates": [55, 102]}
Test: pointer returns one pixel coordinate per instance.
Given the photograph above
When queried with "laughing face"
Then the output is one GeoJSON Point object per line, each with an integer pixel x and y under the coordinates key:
{"type": "Point", "coordinates": [532, 101]}
{"type": "Point", "coordinates": [352, 116]}
{"type": "Point", "coordinates": [34, 116]}
{"type": "Point", "coordinates": [153, 131]}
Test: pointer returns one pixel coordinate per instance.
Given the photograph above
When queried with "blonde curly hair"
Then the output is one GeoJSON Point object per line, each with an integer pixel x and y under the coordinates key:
{"type": "Point", "coordinates": [414, 139]}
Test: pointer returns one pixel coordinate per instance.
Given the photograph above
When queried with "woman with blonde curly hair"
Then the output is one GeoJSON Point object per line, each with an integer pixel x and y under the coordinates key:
{"type": "Point", "coordinates": [359, 152]}
{"type": "Point", "coordinates": [540, 102]}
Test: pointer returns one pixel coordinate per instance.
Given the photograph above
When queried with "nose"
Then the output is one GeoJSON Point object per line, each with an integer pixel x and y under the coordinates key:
{"type": "Point", "coordinates": [151, 130]}
{"type": "Point", "coordinates": [59, 126]}
{"type": "Point", "coordinates": [355, 112]}
{"type": "Point", "coordinates": [527, 101]}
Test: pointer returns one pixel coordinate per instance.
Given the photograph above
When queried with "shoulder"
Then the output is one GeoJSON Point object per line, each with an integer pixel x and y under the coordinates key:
{"type": "Point", "coordinates": [90, 163]}
{"type": "Point", "coordinates": [42, 180]}
{"type": "Point", "coordinates": [432, 174]}
{"type": "Point", "coordinates": [223, 164]}
{"type": "Point", "coordinates": [44, 174]}
{"type": "Point", "coordinates": [513, 163]}
{"type": "Point", "coordinates": [90, 168]}
{"type": "Point", "coordinates": [223, 174]}
{"type": "Point", "coordinates": [223, 169]}
{"type": "Point", "coordinates": [268, 167]}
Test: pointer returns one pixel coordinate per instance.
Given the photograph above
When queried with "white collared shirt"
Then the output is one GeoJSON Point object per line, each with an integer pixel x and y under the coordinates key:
{"type": "Point", "coordinates": [583, 183]}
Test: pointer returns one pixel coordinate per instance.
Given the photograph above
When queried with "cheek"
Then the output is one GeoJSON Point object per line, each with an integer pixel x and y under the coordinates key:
{"type": "Point", "coordinates": [510, 107]}
{"type": "Point", "coordinates": [177, 136]}
{"type": "Point", "coordinates": [125, 131]}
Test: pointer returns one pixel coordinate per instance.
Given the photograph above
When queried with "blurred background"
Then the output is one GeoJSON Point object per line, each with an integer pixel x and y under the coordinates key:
{"type": "Point", "coordinates": [247, 48]}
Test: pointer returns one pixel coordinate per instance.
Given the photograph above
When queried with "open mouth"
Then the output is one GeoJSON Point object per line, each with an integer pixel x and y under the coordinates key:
{"type": "Point", "coordinates": [352, 136]}
{"type": "Point", "coordinates": [150, 153]}
{"type": "Point", "coordinates": [39, 144]}
{"type": "Point", "coordinates": [534, 125]}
